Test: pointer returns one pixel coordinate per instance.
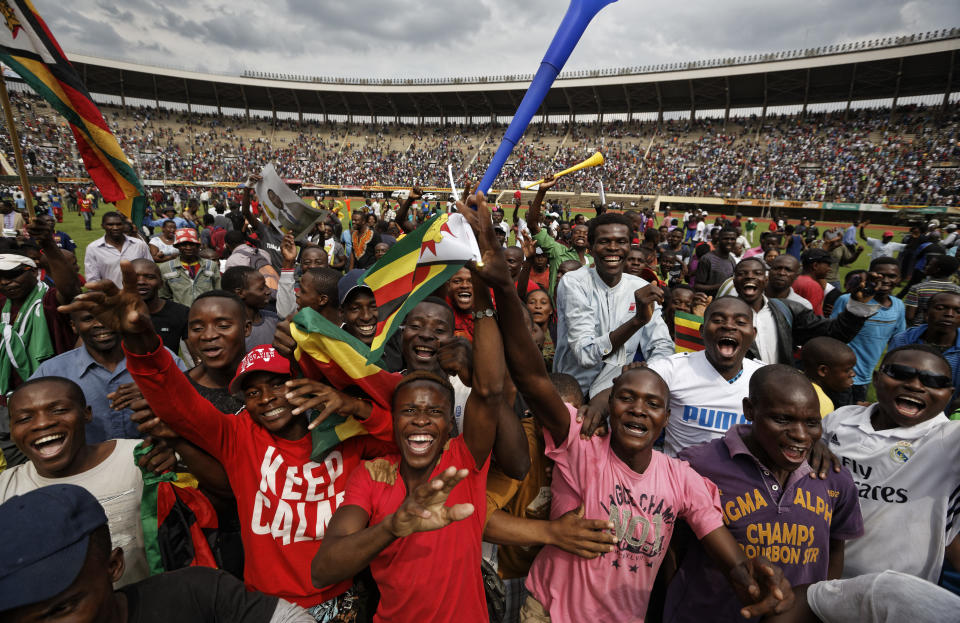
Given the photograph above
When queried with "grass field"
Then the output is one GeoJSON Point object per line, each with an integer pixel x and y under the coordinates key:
{"type": "Point", "coordinates": [73, 225]}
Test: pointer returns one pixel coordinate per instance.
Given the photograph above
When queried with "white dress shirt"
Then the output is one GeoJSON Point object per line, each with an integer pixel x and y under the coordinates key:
{"type": "Point", "coordinates": [587, 311]}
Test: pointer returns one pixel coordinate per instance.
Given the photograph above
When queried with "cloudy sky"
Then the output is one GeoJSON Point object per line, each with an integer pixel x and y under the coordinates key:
{"type": "Point", "coordinates": [423, 38]}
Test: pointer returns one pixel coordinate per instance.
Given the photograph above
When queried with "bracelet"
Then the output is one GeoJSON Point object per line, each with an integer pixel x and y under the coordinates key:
{"type": "Point", "coordinates": [484, 313]}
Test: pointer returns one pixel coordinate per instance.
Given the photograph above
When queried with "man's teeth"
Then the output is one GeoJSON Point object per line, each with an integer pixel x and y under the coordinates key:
{"type": "Point", "coordinates": [465, 296]}
{"type": "Point", "coordinates": [420, 444]}
{"type": "Point", "coordinates": [367, 329]}
{"type": "Point", "coordinates": [635, 429]}
{"type": "Point", "coordinates": [423, 351]}
{"type": "Point", "coordinates": [49, 445]}
{"type": "Point", "coordinates": [796, 449]}
{"type": "Point", "coordinates": [272, 413]}
{"type": "Point", "coordinates": [910, 406]}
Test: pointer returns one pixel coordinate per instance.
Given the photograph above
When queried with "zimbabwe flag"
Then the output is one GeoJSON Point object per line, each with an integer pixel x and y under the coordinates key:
{"type": "Point", "coordinates": [414, 268]}
{"type": "Point", "coordinates": [326, 351]}
{"type": "Point", "coordinates": [27, 46]}
{"type": "Point", "coordinates": [687, 331]}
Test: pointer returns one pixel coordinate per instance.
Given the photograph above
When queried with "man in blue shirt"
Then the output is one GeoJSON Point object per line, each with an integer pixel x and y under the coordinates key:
{"type": "Point", "coordinates": [99, 367]}
{"type": "Point", "coordinates": [871, 342]}
{"type": "Point", "coordinates": [850, 236]}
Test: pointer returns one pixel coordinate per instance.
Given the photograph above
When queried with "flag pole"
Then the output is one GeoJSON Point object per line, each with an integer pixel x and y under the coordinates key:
{"type": "Point", "coordinates": [17, 154]}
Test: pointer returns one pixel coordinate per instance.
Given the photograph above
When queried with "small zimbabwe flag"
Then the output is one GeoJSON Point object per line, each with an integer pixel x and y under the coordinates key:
{"type": "Point", "coordinates": [414, 268]}
{"type": "Point", "coordinates": [687, 330]}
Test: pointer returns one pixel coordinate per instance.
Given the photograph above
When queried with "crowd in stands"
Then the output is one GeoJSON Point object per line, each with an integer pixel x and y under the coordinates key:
{"type": "Point", "coordinates": [628, 417]}
{"type": "Point", "coordinates": [868, 155]}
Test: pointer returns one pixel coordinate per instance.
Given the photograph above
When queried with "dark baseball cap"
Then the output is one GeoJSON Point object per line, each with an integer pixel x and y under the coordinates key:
{"type": "Point", "coordinates": [811, 256]}
{"type": "Point", "coordinates": [47, 535]}
{"type": "Point", "coordinates": [348, 284]}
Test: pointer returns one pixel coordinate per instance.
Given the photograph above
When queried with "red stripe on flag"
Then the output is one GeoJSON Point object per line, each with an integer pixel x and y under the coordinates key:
{"type": "Point", "coordinates": [399, 288]}
{"type": "Point", "coordinates": [99, 173]}
{"type": "Point", "coordinates": [84, 106]}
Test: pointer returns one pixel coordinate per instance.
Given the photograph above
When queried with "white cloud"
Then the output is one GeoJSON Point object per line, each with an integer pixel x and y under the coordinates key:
{"type": "Point", "coordinates": [422, 38]}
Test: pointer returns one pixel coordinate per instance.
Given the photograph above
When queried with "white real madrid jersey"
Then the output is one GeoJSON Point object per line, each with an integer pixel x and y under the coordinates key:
{"type": "Point", "coordinates": [908, 480]}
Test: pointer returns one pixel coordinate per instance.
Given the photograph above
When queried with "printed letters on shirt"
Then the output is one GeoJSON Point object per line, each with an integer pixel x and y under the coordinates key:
{"type": "Point", "coordinates": [296, 502]}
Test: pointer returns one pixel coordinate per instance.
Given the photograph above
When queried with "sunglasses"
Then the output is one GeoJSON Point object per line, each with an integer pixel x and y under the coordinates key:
{"type": "Point", "coordinates": [900, 372]}
{"type": "Point", "coordinates": [10, 275]}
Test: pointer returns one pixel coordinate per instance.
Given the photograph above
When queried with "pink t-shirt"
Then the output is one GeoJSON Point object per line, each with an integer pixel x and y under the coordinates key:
{"type": "Point", "coordinates": [643, 508]}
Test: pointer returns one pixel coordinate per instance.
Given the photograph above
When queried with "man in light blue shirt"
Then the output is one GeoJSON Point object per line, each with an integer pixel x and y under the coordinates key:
{"type": "Point", "coordinates": [604, 315]}
{"type": "Point", "coordinates": [871, 342]}
{"type": "Point", "coordinates": [99, 367]}
{"type": "Point", "coordinates": [850, 235]}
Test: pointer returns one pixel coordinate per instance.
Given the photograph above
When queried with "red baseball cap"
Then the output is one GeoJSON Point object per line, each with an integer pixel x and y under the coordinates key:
{"type": "Point", "coordinates": [186, 234]}
{"type": "Point", "coordinates": [888, 233]}
{"type": "Point", "coordinates": [260, 359]}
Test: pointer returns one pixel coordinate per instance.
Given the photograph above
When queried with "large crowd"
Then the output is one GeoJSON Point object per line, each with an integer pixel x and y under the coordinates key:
{"type": "Point", "coordinates": [628, 417]}
{"type": "Point", "coordinates": [868, 155]}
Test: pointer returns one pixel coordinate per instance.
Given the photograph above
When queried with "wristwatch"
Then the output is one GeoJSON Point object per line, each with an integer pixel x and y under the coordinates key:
{"type": "Point", "coordinates": [484, 313]}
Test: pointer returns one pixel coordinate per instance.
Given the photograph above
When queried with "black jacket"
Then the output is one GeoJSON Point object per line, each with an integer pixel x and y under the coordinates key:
{"type": "Point", "coordinates": [796, 325]}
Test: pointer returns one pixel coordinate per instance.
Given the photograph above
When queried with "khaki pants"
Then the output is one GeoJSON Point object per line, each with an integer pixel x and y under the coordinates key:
{"type": "Point", "coordinates": [533, 611]}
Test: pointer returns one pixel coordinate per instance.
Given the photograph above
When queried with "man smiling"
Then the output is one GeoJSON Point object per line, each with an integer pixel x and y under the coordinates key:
{"type": "Point", "coordinates": [707, 388]}
{"type": "Point", "coordinates": [99, 367]}
{"type": "Point", "coordinates": [284, 498]}
{"type": "Point", "coordinates": [605, 316]}
{"type": "Point", "coordinates": [783, 324]}
{"type": "Point", "coordinates": [904, 456]}
{"type": "Point", "coordinates": [770, 504]}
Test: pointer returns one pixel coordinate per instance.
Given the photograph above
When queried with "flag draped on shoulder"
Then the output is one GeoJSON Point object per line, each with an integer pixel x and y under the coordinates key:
{"type": "Point", "coordinates": [28, 47]}
{"type": "Point", "coordinates": [413, 268]}
{"type": "Point", "coordinates": [325, 350]}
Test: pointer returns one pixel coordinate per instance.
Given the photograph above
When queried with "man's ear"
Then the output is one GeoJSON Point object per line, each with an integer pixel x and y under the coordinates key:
{"type": "Point", "coordinates": [115, 564]}
{"type": "Point", "coordinates": [748, 410]}
{"type": "Point", "coordinates": [823, 370]}
{"type": "Point", "coordinates": [247, 328]}
{"type": "Point", "coordinates": [323, 300]}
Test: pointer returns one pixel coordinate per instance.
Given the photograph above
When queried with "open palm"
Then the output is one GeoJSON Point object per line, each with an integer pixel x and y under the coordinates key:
{"type": "Point", "coordinates": [425, 510]}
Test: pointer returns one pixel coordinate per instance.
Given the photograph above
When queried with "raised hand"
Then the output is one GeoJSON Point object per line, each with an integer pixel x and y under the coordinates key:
{"type": "Point", "coordinates": [119, 309]}
{"type": "Point", "coordinates": [456, 358]}
{"type": "Point", "coordinates": [647, 298]}
{"type": "Point", "coordinates": [492, 267]}
{"type": "Point", "coordinates": [700, 302]}
{"type": "Point", "coordinates": [548, 182]}
{"type": "Point", "coordinates": [288, 249]}
{"type": "Point", "coordinates": [424, 508]}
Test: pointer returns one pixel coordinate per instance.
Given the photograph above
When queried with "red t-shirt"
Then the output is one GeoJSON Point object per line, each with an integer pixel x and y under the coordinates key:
{"type": "Point", "coordinates": [541, 279]}
{"type": "Point", "coordinates": [427, 576]}
{"type": "Point", "coordinates": [284, 499]}
{"type": "Point", "coordinates": [810, 289]}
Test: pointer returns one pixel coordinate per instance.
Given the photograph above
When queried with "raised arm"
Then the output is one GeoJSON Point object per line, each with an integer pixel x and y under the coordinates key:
{"type": "Point", "coordinates": [523, 358]}
{"type": "Point", "coordinates": [533, 214]}
{"type": "Point", "coordinates": [64, 277]}
{"type": "Point", "coordinates": [486, 394]}
{"type": "Point", "coordinates": [167, 390]}
{"type": "Point", "coordinates": [245, 202]}
{"type": "Point", "coordinates": [863, 232]}
{"type": "Point", "coordinates": [414, 194]}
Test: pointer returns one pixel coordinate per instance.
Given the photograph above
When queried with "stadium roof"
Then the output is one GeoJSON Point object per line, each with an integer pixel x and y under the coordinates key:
{"type": "Point", "coordinates": [887, 68]}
